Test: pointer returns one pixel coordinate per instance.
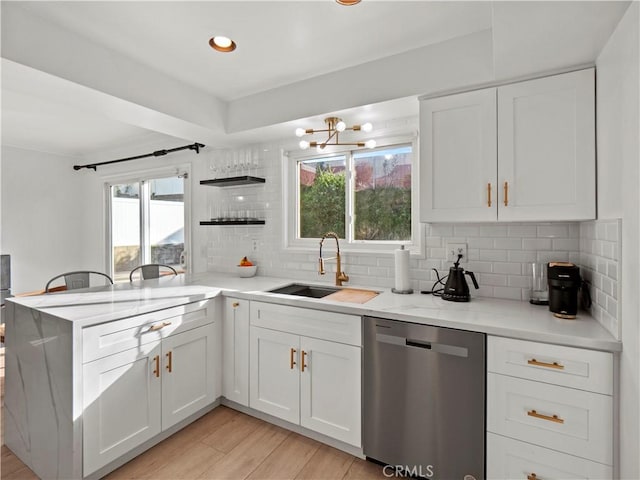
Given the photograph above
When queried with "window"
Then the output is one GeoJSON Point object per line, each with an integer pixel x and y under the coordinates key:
{"type": "Point", "coordinates": [367, 197]}
{"type": "Point", "coordinates": [147, 219]}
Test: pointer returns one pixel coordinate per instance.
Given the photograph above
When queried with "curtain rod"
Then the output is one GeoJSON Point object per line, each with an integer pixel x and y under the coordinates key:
{"type": "Point", "coordinates": [157, 153]}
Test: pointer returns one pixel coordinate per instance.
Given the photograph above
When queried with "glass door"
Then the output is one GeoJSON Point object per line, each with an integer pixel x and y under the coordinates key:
{"type": "Point", "coordinates": [147, 224]}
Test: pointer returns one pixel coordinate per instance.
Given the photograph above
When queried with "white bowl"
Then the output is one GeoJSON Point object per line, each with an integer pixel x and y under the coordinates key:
{"type": "Point", "coordinates": [246, 272]}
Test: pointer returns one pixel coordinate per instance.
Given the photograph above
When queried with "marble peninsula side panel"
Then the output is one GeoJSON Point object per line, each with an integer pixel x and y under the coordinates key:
{"type": "Point", "coordinates": [39, 423]}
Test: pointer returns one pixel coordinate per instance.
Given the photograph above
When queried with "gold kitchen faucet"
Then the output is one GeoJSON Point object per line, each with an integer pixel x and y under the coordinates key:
{"type": "Point", "coordinates": [340, 275]}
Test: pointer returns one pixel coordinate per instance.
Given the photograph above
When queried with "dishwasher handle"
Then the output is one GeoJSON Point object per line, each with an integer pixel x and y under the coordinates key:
{"type": "Point", "coordinates": [424, 345]}
{"type": "Point", "coordinates": [417, 343]}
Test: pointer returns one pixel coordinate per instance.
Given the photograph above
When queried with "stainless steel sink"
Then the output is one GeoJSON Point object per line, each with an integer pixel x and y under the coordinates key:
{"type": "Point", "coordinates": [303, 290]}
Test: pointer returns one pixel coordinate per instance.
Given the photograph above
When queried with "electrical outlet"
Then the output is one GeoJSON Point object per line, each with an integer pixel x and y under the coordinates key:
{"type": "Point", "coordinates": [254, 244]}
{"type": "Point", "coordinates": [454, 249]}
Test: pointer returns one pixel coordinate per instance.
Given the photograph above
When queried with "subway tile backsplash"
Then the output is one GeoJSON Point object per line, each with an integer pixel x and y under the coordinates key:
{"type": "Point", "coordinates": [600, 266]}
{"type": "Point", "coordinates": [499, 254]}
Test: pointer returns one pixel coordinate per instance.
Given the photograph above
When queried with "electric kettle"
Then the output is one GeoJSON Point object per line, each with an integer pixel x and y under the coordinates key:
{"type": "Point", "coordinates": [456, 288]}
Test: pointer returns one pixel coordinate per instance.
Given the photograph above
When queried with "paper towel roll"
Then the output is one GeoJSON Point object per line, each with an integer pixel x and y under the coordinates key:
{"type": "Point", "coordinates": [402, 282]}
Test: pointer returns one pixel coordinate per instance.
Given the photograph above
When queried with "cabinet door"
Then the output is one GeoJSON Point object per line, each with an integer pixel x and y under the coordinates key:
{"type": "Point", "coordinates": [121, 404]}
{"type": "Point", "coordinates": [188, 377]}
{"type": "Point", "coordinates": [235, 345]}
{"type": "Point", "coordinates": [330, 389]}
{"type": "Point", "coordinates": [458, 157]}
{"type": "Point", "coordinates": [274, 375]}
{"type": "Point", "coordinates": [546, 148]}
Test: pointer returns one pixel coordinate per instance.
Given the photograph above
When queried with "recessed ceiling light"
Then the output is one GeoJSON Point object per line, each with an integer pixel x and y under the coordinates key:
{"type": "Point", "coordinates": [222, 44]}
{"type": "Point", "coordinates": [347, 2]}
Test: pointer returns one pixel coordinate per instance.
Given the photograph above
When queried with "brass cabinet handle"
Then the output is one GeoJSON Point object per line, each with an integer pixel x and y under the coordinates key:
{"type": "Point", "coordinates": [506, 194]}
{"type": "Point", "coordinates": [235, 304]}
{"type": "Point", "coordinates": [169, 361]}
{"type": "Point", "coordinates": [158, 326]}
{"type": "Point", "coordinates": [489, 194]}
{"type": "Point", "coordinates": [302, 364]}
{"type": "Point", "coordinates": [292, 354]}
{"type": "Point", "coordinates": [555, 365]}
{"type": "Point", "coordinates": [532, 476]}
{"type": "Point", "coordinates": [551, 418]}
{"type": "Point", "coordinates": [156, 370]}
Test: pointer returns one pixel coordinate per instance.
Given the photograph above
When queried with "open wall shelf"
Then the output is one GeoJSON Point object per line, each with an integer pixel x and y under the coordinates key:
{"type": "Point", "coordinates": [233, 181]}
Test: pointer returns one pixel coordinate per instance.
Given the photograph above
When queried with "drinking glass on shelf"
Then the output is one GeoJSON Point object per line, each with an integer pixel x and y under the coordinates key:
{"type": "Point", "coordinates": [255, 161]}
{"type": "Point", "coordinates": [229, 164]}
{"type": "Point", "coordinates": [213, 167]}
{"type": "Point", "coordinates": [224, 212]}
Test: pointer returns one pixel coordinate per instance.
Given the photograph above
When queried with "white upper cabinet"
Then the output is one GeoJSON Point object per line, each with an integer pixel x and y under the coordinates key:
{"type": "Point", "coordinates": [458, 155]}
{"type": "Point", "coordinates": [546, 148]}
{"type": "Point", "coordinates": [532, 161]}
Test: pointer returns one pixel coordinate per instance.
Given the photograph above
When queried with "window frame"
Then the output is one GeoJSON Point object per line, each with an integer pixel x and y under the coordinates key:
{"type": "Point", "coordinates": [291, 197]}
{"type": "Point", "coordinates": [145, 176]}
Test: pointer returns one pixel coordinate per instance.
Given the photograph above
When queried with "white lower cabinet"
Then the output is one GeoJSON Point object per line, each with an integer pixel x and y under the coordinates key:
{"type": "Point", "coordinates": [539, 428]}
{"type": "Point", "coordinates": [121, 404]}
{"type": "Point", "coordinates": [132, 395]}
{"type": "Point", "coordinates": [235, 350]}
{"type": "Point", "coordinates": [313, 382]}
{"type": "Point", "coordinates": [188, 380]}
{"type": "Point", "coordinates": [330, 389]}
{"type": "Point", "coordinates": [275, 378]}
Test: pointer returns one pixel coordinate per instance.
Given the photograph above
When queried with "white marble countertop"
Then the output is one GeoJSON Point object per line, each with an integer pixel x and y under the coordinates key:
{"type": "Point", "coordinates": [506, 318]}
{"type": "Point", "coordinates": [95, 305]}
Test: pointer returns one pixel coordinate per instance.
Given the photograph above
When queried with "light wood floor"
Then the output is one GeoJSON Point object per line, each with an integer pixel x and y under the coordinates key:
{"type": "Point", "coordinates": [226, 444]}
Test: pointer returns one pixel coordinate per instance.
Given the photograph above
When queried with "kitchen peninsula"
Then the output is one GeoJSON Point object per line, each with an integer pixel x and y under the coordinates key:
{"type": "Point", "coordinates": [96, 377]}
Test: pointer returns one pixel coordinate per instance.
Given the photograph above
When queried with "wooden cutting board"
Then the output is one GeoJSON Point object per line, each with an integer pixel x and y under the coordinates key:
{"type": "Point", "coordinates": [353, 295]}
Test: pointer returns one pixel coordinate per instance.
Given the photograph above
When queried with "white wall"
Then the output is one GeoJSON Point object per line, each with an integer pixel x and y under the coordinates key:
{"type": "Point", "coordinates": [51, 219]}
{"type": "Point", "coordinates": [618, 106]}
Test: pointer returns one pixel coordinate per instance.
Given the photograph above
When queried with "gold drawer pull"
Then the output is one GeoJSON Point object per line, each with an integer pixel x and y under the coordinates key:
{"type": "Point", "coordinates": [158, 326]}
{"type": "Point", "coordinates": [235, 304]}
{"type": "Point", "coordinates": [302, 364]}
{"type": "Point", "coordinates": [532, 476]}
{"type": "Point", "coordinates": [156, 370]}
{"type": "Point", "coordinates": [552, 418]}
{"type": "Point", "coordinates": [506, 194]}
{"type": "Point", "coordinates": [169, 361]}
{"type": "Point", "coordinates": [556, 365]}
{"type": "Point", "coordinates": [488, 194]}
{"type": "Point", "coordinates": [292, 354]}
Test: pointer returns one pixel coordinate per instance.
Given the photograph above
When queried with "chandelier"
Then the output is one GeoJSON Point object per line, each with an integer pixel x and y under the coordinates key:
{"type": "Point", "coordinates": [335, 126]}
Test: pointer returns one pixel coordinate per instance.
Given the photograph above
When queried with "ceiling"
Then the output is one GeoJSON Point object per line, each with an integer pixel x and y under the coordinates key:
{"type": "Point", "coordinates": [282, 47]}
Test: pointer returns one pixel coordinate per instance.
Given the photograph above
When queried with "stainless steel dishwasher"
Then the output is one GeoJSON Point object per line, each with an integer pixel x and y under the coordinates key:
{"type": "Point", "coordinates": [424, 399]}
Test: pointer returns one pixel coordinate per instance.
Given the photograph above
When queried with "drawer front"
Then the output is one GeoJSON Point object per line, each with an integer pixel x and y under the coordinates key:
{"type": "Point", "coordinates": [113, 337]}
{"type": "Point", "coordinates": [512, 459]}
{"type": "Point", "coordinates": [336, 327]}
{"type": "Point", "coordinates": [525, 410]}
{"type": "Point", "coordinates": [565, 366]}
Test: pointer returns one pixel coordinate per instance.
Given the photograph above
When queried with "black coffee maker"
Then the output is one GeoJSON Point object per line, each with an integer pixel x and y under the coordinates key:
{"type": "Point", "coordinates": [564, 285]}
{"type": "Point", "coordinates": [456, 288]}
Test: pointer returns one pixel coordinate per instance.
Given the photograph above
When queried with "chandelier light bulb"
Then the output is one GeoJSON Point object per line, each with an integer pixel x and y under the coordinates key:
{"type": "Point", "coordinates": [319, 148]}
{"type": "Point", "coordinates": [367, 127]}
{"type": "Point", "coordinates": [370, 144]}
{"type": "Point", "coordinates": [340, 126]}
{"type": "Point", "coordinates": [300, 132]}
{"type": "Point", "coordinates": [304, 144]}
